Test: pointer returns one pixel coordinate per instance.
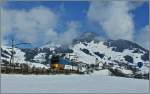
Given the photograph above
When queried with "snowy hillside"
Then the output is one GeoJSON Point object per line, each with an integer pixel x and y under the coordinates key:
{"type": "Point", "coordinates": [121, 55]}
{"type": "Point", "coordinates": [87, 47]}
{"type": "Point", "coordinates": [88, 52]}
{"type": "Point", "coordinates": [19, 57]}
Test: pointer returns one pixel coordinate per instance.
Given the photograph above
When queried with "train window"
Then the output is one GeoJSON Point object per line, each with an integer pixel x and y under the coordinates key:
{"type": "Point", "coordinates": [54, 59]}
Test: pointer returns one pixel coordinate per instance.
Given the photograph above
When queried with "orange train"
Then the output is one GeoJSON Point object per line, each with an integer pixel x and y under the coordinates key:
{"type": "Point", "coordinates": [58, 64]}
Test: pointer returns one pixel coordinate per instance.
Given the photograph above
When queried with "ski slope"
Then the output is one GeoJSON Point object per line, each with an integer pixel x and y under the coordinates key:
{"type": "Point", "coordinates": [71, 84]}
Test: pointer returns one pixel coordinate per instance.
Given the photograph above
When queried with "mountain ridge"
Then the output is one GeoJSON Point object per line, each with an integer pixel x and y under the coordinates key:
{"type": "Point", "coordinates": [119, 53]}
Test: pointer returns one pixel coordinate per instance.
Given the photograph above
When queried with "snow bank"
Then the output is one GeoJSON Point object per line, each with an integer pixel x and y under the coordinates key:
{"type": "Point", "coordinates": [124, 71]}
{"type": "Point", "coordinates": [102, 72]}
{"type": "Point", "coordinates": [71, 84]}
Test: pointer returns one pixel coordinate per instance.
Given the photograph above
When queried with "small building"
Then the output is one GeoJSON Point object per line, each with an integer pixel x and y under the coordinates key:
{"type": "Point", "coordinates": [58, 63]}
{"type": "Point", "coordinates": [82, 67]}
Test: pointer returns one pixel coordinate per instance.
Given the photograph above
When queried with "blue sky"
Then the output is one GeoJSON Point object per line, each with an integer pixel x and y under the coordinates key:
{"type": "Point", "coordinates": [80, 16]}
{"type": "Point", "coordinates": [141, 16]}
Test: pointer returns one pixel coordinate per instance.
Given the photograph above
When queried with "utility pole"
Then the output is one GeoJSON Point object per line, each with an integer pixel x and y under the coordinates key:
{"type": "Point", "coordinates": [12, 51]}
{"type": "Point", "coordinates": [13, 45]}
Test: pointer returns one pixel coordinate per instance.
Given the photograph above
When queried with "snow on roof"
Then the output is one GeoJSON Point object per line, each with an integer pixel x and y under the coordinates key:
{"type": "Point", "coordinates": [37, 65]}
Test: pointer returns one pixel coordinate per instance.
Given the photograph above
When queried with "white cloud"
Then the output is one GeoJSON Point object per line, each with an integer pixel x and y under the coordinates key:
{"type": "Point", "coordinates": [143, 37]}
{"type": "Point", "coordinates": [67, 36]}
{"type": "Point", "coordinates": [36, 26]}
{"type": "Point", "coordinates": [30, 26]}
{"type": "Point", "coordinates": [113, 17]}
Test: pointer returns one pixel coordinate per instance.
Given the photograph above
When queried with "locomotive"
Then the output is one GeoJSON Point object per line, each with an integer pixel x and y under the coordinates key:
{"type": "Point", "coordinates": [59, 64]}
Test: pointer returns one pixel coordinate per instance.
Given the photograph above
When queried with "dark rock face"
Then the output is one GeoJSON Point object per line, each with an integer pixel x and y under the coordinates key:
{"type": "Point", "coordinates": [63, 50]}
{"type": "Point", "coordinates": [30, 53]}
{"type": "Point", "coordinates": [86, 37]}
{"type": "Point", "coordinates": [120, 45]}
{"type": "Point", "coordinates": [86, 51]}
{"type": "Point", "coordinates": [128, 58]}
{"type": "Point", "coordinates": [5, 52]}
{"type": "Point", "coordinates": [99, 54]}
{"type": "Point", "coordinates": [145, 57]}
{"type": "Point", "coordinates": [3, 55]}
{"type": "Point", "coordinates": [137, 51]}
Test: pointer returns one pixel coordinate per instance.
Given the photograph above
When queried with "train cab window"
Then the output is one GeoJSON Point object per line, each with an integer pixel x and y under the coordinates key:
{"type": "Point", "coordinates": [54, 59]}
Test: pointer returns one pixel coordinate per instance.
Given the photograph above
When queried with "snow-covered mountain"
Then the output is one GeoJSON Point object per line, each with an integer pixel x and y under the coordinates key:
{"type": "Point", "coordinates": [108, 52]}
{"type": "Point", "coordinates": [88, 49]}
{"type": "Point", "coordinates": [21, 57]}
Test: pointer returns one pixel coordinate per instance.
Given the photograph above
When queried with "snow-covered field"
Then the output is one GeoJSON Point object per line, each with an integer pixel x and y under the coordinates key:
{"type": "Point", "coordinates": [71, 84]}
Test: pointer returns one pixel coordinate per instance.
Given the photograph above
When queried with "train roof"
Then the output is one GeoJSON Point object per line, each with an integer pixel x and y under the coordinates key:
{"type": "Point", "coordinates": [66, 62]}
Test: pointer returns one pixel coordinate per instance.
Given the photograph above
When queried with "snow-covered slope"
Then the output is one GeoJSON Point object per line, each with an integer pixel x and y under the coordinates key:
{"type": "Point", "coordinates": [121, 54]}
{"type": "Point", "coordinates": [89, 52]}
{"type": "Point", "coordinates": [87, 47]}
{"type": "Point", "coordinates": [19, 57]}
{"type": "Point", "coordinates": [40, 57]}
{"type": "Point", "coordinates": [71, 84]}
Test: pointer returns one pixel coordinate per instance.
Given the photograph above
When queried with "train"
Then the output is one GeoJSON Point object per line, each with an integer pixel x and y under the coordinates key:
{"type": "Point", "coordinates": [57, 64]}
{"type": "Point", "coordinates": [60, 64]}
